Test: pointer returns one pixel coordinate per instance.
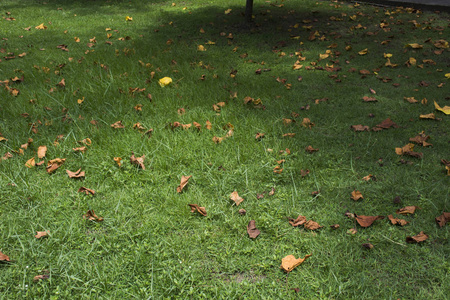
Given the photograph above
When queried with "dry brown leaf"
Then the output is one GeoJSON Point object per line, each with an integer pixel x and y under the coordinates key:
{"type": "Point", "coordinates": [366, 221]}
{"type": "Point", "coordinates": [443, 219]}
{"type": "Point", "coordinates": [117, 125]}
{"type": "Point", "coordinates": [277, 170]}
{"type": "Point", "coordinates": [197, 125]}
{"type": "Point", "coordinates": [242, 212]}
{"type": "Point", "coordinates": [137, 161]}
{"type": "Point", "coordinates": [30, 163]}
{"type": "Point", "coordinates": [118, 160]}
{"type": "Point", "coordinates": [289, 134]}
{"type": "Point", "coordinates": [236, 198]}
{"type": "Point", "coordinates": [252, 231]}
{"type": "Point", "coordinates": [184, 181]}
{"type": "Point", "coordinates": [272, 191]}
{"type": "Point", "coordinates": [304, 173]}
{"type": "Point", "coordinates": [40, 234]}
{"type": "Point", "coordinates": [86, 191]}
{"type": "Point", "coordinates": [368, 177]}
{"type": "Point", "coordinates": [208, 125]}
{"type": "Point", "coordinates": [4, 257]}
{"type": "Point", "coordinates": [307, 123]}
{"type": "Point", "coordinates": [407, 210]}
{"type": "Point", "coordinates": [352, 231]}
{"type": "Point", "coordinates": [297, 222]}
{"type": "Point", "coordinates": [359, 127]}
{"type": "Point", "coordinates": [430, 116]}
{"type": "Point", "coordinates": [310, 149]}
{"type": "Point", "coordinates": [367, 246]}
{"type": "Point", "coordinates": [76, 174]}
{"type": "Point", "coordinates": [90, 215]}
{"type": "Point", "coordinates": [259, 136]}
{"type": "Point", "coordinates": [421, 139]}
{"type": "Point", "coordinates": [335, 226]}
{"type": "Point", "coordinates": [411, 99]}
{"type": "Point", "coordinates": [80, 149]}
{"type": "Point", "coordinates": [86, 141]}
{"type": "Point", "coordinates": [396, 221]}
{"type": "Point", "coordinates": [200, 210]}
{"type": "Point", "coordinates": [217, 140]}
{"type": "Point", "coordinates": [388, 123]}
{"type": "Point", "coordinates": [421, 237]}
{"type": "Point", "coordinates": [356, 195]}
{"type": "Point", "coordinates": [42, 150]}
{"type": "Point", "coordinates": [54, 164]}
{"type": "Point", "coordinates": [41, 277]}
{"type": "Point", "coordinates": [312, 225]}
{"type": "Point", "coordinates": [289, 262]}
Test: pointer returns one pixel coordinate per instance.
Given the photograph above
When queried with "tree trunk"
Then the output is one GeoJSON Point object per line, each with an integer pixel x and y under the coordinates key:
{"type": "Point", "coordinates": [248, 10]}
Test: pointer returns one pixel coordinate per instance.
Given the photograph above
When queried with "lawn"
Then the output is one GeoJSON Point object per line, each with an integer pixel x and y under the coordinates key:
{"type": "Point", "coordinates": [313, 117]}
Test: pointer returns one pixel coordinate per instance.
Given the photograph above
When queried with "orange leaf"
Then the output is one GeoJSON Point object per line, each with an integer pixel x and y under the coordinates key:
{"type": "Point", "coordinates": [252, 231]}
{"type": "Point", "coordinates": [297, 222]}
{"type": "Point", "coordinates": [80, 149]}
{"type": "Point", "coordinates": [184, 181]}
{"type": "Point", "coordinates": [208, 125]}
{"type": "Point", "coordinates": [289, 262]}
{"type": "Point", "coordinates": [310, 149]}
{"type": "Point", "coordinates": [41, 277]}
{"type": "Point", "coordinates": [396, 221]}
{"type": "Point", "coordinates": [40, 234]}
{"type": "Point", "coordinates": [407, 210]}
{"type": "Point", "coordinates": [76, 174]}
{"type": "Point", "coordinates": [312, 225]}
{"type": "Point", "coordinates": [42, 150]}
{"type": "Point", "coordinates": [118, 160]}
{"type": "Point", "coordinates": [137, 161]}
{"type": "Point", "coordinates": [356, 195]}
{"type": "Point", "coordinates": [359, 127]}
{"type": "Point", "coordinates": [54, 164]}
{"type": "Point", "coordinates": [90, 215]}
{"type": "Point", "coordinates": [366, 221]}
{"type": "Point", "coordinates": [421, 237]}
{"type": "Point", "coordinates": [86, 191]}
{"type": "Point", "coordinates": [4, 257]}
{"type": "Point", "coordinates": [236, 198]}
{"type": "Point", "coordinates": [117, 125]}
{"type": "Point", "coordinates": [30, 163]}
{"type": "Point", "coordinates": [200, 210]}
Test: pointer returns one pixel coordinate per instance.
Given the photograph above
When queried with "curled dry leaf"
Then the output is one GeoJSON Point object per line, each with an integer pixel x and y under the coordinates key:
{"type": "Point", "coordinates": [86, 191]}
{"type": "Point", "coordinates": [307, 123]}
{"type": "Point", "coordinates": [407, 210]}
{"type": "Point", "coordinates": [396, 221]}
{"type": "Point", "coordinates": [259, 136]}
{"type": "Point", "coordinates": [289, 262]}
{"type": "Point", "coordinates": [367, 246]}
{"type": "Point", "coordinates": [359, 127]}
{"type": "Point", "coordinates": [310, 149]}
{"type": "Point", "coordinates": [366, 221]}
{"type": "Point", "coordinates": [352, 231]}
{"type": "Point", "coordinates": [242, 212]}
{"type": "Point", "coordinates": [117, 125]}
{"type": "Point", "coordinates": [301, 220]}
{"type": "Point", "coordinates": [304, 173]}
{"type": "Point", "coordinates": [40, 234]}
{"type": "Point", "coordinates": [30, 163]}
{"type": "Point", "coordinates": [252, 231]}
{"type": "Point", "coordinates": [137, 161]}
{"type": "Point", "coordinates": [86, 141]}
{"type": "Point", "coordinates": [118, 161]}
{"type": "Point", "coordinates": [76, 174]}
{"type": "Point", "coordinates": [445, 109]}
{"type": "Point", "coordinates": [200, 210]}
{"type": "Point", "coordinates": [386, 124]}
{"type": "Point", "coordinates": [42, 150]}
{"type": "Point", "coordinates": [197, 125]}
{"type": "Point", "coordinates": [41, 277]}
{"type": "Point", "coordinates": [236, 198]}
{"type": "Point", "coordinates": [312, 225]}
{"type": "Point", "coordinates": [443, 219]}
{"type": "Point", "coordinates": [369, 99]}
{"type": "Point", "coordinates": [356, 195]}
{"type": "Point", "coordinates": [290, 134]}
{"type": "Point", "coordinates": [184, 181]}
{"type": "Point", "coordinates": [421, 237]}
{"type": "Point", "coordinates": [90, 215]}
{"type": "Point", "coordinates": [54, 164]}
{"type": "Point", "coordinates": [208, 125]}
{"type": "Point", "coordinates": [217, 140]}
{"type": "Point", "coordinates": [80, 149]}
{"type": "Point", "coordinates": [4, 257]}
{"type": "Point", "coordinates": [335, 226]}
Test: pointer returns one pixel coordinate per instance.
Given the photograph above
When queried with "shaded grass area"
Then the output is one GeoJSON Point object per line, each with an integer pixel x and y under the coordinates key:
{"type": "Point", "coordinates": [149, 244]}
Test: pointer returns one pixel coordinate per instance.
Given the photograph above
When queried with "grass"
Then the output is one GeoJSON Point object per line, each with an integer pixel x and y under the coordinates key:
{"type": "Point", "coordinates": [149, 244]}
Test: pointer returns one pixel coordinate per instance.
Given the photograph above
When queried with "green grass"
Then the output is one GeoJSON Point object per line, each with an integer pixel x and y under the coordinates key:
{"type": "Point", "coordinates": [149, 244]}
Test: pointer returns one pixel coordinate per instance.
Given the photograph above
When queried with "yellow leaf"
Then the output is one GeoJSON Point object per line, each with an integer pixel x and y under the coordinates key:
{"type": "Point", "coordinates": [445, 109]}
{"type": "Point", "coordinates": [79, 101]}
{"type": "Point", "coordinates": [363, 52]}
{"type": "Point", "coordinates": [30, 163]}
{"type": "Point", "coordinates": [414, 46]}
{"type": "Point", "coordinates": [118, 160]}
{"type": "Point", "coordinates": [387, 55]}
{"type": "Point", "coordinates": [228, 11]}
{"type": "Point", "coordinates": [201, 48]}
{"type": "Point", "coordinates": [127, 18]}
{"type": "Point", "coordinates": [428, 116]}
{"type": "Point", "coordinates": [41, 26]}
{"type": "Point", "coordinates": [165, 81]}
{"type": "Point", "coordinates": [289, 262]}
{"type": "Point", "coordinates": [447, 75]}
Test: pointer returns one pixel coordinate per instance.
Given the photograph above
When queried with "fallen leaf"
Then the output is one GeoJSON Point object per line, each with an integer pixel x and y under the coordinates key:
{"type": "Point", "coordinates": [352, 231]}
{"type": "Point", "coordinates": [236, 198]}
{"type": "Point", "coordinates": [443, 219]}
{"type": "Point", "coordinates": [117, 125]}
{"type": "Point", "coordinates": [312, 225]}
{"type": "Point", "coordinates": [414, 46]}
{"type": "Point", "coordinates": [184, 181]}
{"type": "Point", "coordinates": [41, 26]}
{"type": "Point", "coordinates": [335, 226]}
{"type": "Point", "coordinates": [259, 136]}
{"type": "Point", "coordinates": [396, 221]}
{"type": "Point", "coordinates": [356, 195]}
{"type": "Point", "coordinates": [386, 124]}
{"type": "Point", "coordinates": [242, 212]}
{"type": "Point", "coordinates": [407, 210]}
{"type": "Point", "coordinates": [41, 277]}
{"type": "Point", "coordinates": [421, 237]}
{"type": "Point", "coordinates": [165, 81]}
{"type": "Point", "coordinates": [200, 210]}
{"type": "Point", "coordinates": [310, 149]}
{"type": "Point", "coordinates": [289, 262]}
{"type": "Point", "coordinates": [128, 18]}
{"type": "Point", "coordinates": [86, 191]}
{"type": "Point", "coordinates": [217, 140]}
{"type": "Point", "coordinates": [304, 173]}
{"type": "Point", "coordinates": [42, 150]}
{"type": "Point", "coordinates": [297, 222]}
{"type": "Point", "coordinates": [80, 149]}
{"type": "Point", "coordinates": [272, 192]}
{"type": "Point", "coordinates": [290, 134]}
{"type": "Point", "coordinates": [366, 221]}
{"type": "Point", "coordinates": [368, 177]}
{"type": "Point", "coordinates": [430, 116]}
{"type": "Point", "coordinates": [54, 164]}
{"type": "Point", "coordinates": [208, 125]}
{"type": "Point", "coordinates": [367, 246]}
{"type": "Point", "coordinates": [369, 99]}
{"type": "Point", "coordinates": [4, 257]}
{"type": "Point", "coordinates": [252, 231]}
{"type": "Point", "coordinates": [445, 109]}
{"type": "Point", "coordinates": [40, 234]}
{"type": "Point", "coordinates": [363, 52]}
{"type": "Point", "coordinates": [76, 174]}
{"type": "Point", "coordinates": [30, 163]}
{"type": "Point", "coordinates": [90, 215]}
{"type": "Point", "coordinates": [359, 127]}
{"type": "Point", "coordinates": [118, 160]}
{"type": "Point", "coordinates": [411, 99]}
{"type": "Point", "coordinates": [137, 161]}
{"type": "Point", "coordinates": [307, 123]}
